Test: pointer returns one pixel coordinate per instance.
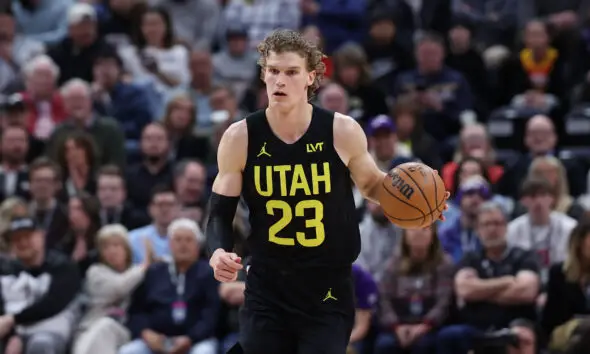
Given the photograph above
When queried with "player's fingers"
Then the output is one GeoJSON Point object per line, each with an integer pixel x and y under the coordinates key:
{"type": "Point", "coordinates": [224, 274]}
{"type": "Point", "coordinates": [447, 195]}
{"type": "Point", "coordinates": [232, 264]}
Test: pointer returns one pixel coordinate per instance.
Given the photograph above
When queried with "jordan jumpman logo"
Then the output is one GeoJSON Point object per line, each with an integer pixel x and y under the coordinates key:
{"type": "Point", "coordinates": [263, 151]}
{"type": "Point", "coordinates": [329, 296]}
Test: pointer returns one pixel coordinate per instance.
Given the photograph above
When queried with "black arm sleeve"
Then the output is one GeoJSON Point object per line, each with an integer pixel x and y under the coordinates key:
{"type": "Point", "coordinates": [219, 230]}
{"type": "Point", "coordinates": [65, 285]}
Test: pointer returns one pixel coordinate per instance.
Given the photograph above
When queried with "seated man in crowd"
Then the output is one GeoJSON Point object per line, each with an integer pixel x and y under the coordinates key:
{"type": "Point", "coordinates": [496, 288]}
{"type": "Point", "coordinates": [38, 290]}
{"type": "Point", "coordinates": [175, 308]}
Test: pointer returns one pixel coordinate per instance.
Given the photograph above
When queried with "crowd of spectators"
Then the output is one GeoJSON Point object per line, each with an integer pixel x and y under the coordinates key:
{"type": "Point", "coordinates": [110, 118]}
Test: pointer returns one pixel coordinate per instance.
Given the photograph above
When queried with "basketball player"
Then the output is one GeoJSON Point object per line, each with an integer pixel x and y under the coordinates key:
{"type": "Point", "coordinates": [292, 163]}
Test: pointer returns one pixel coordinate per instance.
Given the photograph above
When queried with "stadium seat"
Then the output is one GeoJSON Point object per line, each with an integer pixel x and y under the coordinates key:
{"type": "Point", "coordinates": [506, 126]}
{"type": "Point", "coordinates": [577, 126]}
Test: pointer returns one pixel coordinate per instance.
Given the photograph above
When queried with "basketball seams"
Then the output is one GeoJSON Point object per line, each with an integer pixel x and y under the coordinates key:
{"type": "Point", "coordinates": [435, 192]}
{"type": "Point", "coordinates": [403, 201]}
{"type": "Point", "coordinates": [418, 186]}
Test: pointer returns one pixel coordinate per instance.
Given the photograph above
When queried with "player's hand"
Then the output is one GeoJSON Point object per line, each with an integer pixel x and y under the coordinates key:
{"type": "Point", "coordinates": [447, 195]}
{"type": "Point", "coordinates": [225, 265]}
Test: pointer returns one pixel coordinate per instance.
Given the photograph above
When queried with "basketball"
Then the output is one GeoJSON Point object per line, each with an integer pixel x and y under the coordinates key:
{"type": "Point", "coordinates": [413, 195]}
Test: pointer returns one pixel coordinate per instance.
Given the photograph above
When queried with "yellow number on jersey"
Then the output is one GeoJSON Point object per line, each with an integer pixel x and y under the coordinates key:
{"type": "Point", "coordinates": [287, 215]}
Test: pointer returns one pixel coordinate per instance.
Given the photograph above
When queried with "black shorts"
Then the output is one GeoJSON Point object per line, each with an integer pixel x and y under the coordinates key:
{"type": "Point", "coordinates": [290, 312]}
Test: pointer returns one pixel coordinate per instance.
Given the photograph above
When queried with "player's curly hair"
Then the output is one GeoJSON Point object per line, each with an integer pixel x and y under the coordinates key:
{"type": "Point", "coordinates": [282, 41]}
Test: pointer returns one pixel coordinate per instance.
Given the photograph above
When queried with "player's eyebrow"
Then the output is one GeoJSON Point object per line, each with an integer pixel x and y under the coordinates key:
{"type": "Point", "coordinates": [288, 68]}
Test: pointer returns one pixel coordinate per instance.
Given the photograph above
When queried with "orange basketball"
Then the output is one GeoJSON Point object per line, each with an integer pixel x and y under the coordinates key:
{"type": "Point", "coordinates": [413, 195]}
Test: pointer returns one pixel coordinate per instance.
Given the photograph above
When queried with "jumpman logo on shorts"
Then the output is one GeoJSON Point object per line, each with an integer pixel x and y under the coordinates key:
{"type": "Point", "coordinates": [329, 296]}
{"type": "Point", "coordinates": [263, 151]}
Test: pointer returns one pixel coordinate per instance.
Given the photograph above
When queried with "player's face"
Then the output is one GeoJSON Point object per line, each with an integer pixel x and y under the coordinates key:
{"type": "Point", "coordinates": [286, 78]}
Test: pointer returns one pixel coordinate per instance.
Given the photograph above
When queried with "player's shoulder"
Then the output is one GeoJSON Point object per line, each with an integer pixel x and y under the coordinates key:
{"type": "Point", "coordinates": [346, 130]}
{"type": "Point", "coordinates": [236, 133]}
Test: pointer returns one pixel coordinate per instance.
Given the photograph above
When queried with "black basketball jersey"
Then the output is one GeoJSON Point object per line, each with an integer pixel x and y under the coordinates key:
{"type": "Point", "coordinates": [302, 211]}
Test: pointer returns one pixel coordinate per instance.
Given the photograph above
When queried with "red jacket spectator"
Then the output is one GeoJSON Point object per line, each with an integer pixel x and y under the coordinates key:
{"type": "Point", "coordinates": [57, 112]}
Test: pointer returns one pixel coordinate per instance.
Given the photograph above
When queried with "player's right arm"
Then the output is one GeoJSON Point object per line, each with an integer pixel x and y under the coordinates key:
{"type": "Point", "coordinates": [227, 187]}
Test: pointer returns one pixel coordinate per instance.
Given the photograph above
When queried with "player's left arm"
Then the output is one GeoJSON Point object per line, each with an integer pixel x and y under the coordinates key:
{"type": "Point", "coordinates": [351, 144]}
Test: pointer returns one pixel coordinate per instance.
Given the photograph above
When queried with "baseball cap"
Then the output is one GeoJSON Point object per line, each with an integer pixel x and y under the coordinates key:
{"type": "Point", "coordinates": [80, 12]}
{"type": "Point", "coordinates": [20, 224]}
{"type": "Point", "coordinates": [381, 122]}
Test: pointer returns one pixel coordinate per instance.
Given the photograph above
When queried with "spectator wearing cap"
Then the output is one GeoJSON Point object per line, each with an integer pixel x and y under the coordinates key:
{"type": "Point", "coordinates": [383, 141]}
{"type": "Point", "coordinates": [235, 65]}
{"type": "Point", "coordinates": [541, 230]}
{"type": "Point", "coordinates": [15, 51]}
{"type": "Point", "coordinates": [109, 285]}
{"type": "Point", "coordinates": [128, 103]}
{"type": "Point", "coordinates": [175, 308]}
{"type": "Point", "coordinates": [74, 55]}
{"type": "Point", "coordinates": [458, 235]}
{"type": "Point", "coordinates": [43, 20]}
{"type": "Point", "coordinates": [39, 291]}
{"type": "Point", "coordinates": [13, 113]}
{"type": "Point", "coordinates": [443, 93]}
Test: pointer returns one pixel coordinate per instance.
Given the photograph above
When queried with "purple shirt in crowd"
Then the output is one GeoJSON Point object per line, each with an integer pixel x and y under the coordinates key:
{"type": "Point", "coordinates": [365, 289]}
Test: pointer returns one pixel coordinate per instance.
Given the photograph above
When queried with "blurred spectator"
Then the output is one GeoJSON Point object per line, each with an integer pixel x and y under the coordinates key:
{"type": "Point", "coordinates": [195, 21]}
{"type": "Point", "coordinates": [552, 170]}
{"type": "Point", "coordinates": [383, 144]}
{"type": "Point", "coordinates": [75, 54]}
{"type": "Point", "coordinates": [79, 242]}
{"type": "Point", "coordinates": [415, 294]}
{"type": "Point", "coordinates": [494, 22]}
{"type": "Point", "coordinates": [261, 17]}
{"type": "Point", "coordinates": [154, 169]}
{"type": "Point", "coordinates": [541, 230]}
{"type": "Point", "coordinates": [42, 20]}
{"type": "Point", "coordinates": [534, 78]}
{"type": "Point", "coordinates": [112, 195]}
{"type": "Point", "coordinates": [116, 20]}
{"type": "Point", "coordinates": [164, 208]}
{"type": "Point", "coordinates": [14, 174]}
{"type": "Point", "coordinates": [77, 159]}
{"type": "Point", "coordinates": [366, 296]}
{"type": "Point", "coordinates": [566, 312]}
{"type": "Point", "coordinates": [10, 208]}
{"type": "Point", "coordinates": [379, 237]}
{"type": "Point", "coordinates": [442, 92]}
{"type": "Point", "coordinates": [496, 288]}
{"type": "Point", "coordinates": [155, 58]}
{"type": "Point", "coordinates": [333, 97]}
{"type": "Point", "coordinates": [105, 132]}
{"type": "Point", "coordinates": [127, 103]}
{"type": "Point", "coordinates": [465, 58]}
{"type": "Point", "coordinates": [50, 215]}
{"type": "Point", "coordinates": [45, 106]}
{"type": "Point", "coordinates": [385, 54]}
{"type": "Point", "coordinates": [352, 71]}
{"type": "Point", "coordinates": [458, 235]}
{"type": "Point", "coordinates": [201, 84]}
{"type": "Point", "coordinates": [186, 285]}
{"type": "Point", "coordinates": [235, 65]}
{"type": "Point", "coordinates": [339, 21]}
{"type": "Point", "coordinates": [475, 142]}
{"type": "Point", "coordinates": [39, 291]}
{"type": "Point", "coordinates": [540, 139]}
{"type": "Point", "coordinates": [15, 51]}
{"type": "Point", "coordinates": [313, 34]}
{"type": "Point", "coordinates": [109, 285]}
{"type": "Point", "coordinates": [179, 119]}
{"type": "Point", "coordinates": [13, 113]}
{"type": "Point", "coordinates": [410, 133]}
{"type": "Point", "coordinates": [190, 178]}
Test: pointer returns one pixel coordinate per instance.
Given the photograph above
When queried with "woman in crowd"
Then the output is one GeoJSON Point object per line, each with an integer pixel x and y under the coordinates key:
{"type": "Point", "coordinates": [79, 242]}
{"type": "Point", "coordinates": [550, 168]}
{"type": "Point", "coordinates": [155, 57]}
{"type": "Point", "coordinates": [179, 120]}
{"type": "Point", "coordinates": [415, 291]}
{"type": "Point", "coordinates": [108, 286]}
{"type": "Point", "coordinates": [78, 160]}
{"type": "Point", "coordinates": [565, 316]}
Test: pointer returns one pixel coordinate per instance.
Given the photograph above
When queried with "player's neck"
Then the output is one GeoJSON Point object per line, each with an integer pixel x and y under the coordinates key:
{"type": "Point", "coordinates": [292, 124]}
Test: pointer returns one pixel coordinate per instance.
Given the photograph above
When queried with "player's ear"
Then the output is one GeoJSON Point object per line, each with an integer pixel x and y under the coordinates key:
{"type": "Point", "coordinates": [311, 77]}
